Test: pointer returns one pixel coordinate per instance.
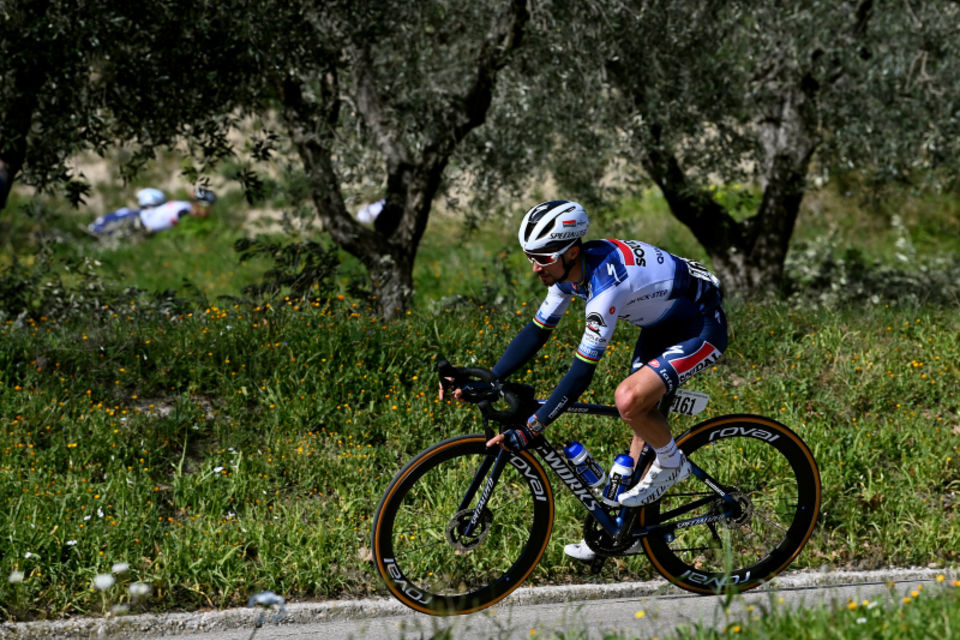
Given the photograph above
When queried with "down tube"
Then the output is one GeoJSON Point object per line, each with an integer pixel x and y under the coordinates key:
{"type": "Point", "coordinates": [582, 492]}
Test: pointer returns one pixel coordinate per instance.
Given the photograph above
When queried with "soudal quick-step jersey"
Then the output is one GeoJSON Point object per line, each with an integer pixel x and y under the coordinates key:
{"type": "Point", "coordinates": [622, 280]}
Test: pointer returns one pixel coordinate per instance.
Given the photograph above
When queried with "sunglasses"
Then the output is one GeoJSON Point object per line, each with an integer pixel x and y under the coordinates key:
{"type": "Point", "coordinates": [546, 259]}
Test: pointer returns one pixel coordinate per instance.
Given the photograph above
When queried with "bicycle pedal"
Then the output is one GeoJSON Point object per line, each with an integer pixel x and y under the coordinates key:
{"type": "Point", "coordinates": [596, 565]}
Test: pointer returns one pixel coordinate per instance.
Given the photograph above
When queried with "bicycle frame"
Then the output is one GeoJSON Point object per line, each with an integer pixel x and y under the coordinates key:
{"type": "Point", "coordinates": [615, 521]}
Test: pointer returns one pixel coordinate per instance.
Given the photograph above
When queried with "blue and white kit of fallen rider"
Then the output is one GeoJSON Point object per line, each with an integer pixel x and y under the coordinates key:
{"type": "Point", "coordinates": [677, 303]}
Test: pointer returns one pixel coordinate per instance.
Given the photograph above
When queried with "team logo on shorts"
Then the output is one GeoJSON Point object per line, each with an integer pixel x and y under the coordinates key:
{"type": "Point", "coordinates": [687, 366]}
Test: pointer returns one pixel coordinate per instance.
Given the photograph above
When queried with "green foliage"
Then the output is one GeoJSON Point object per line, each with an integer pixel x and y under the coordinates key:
{"type": "Point", "coordinates": [232, 449]}
{"type": "Point", "coordinates": [300, 268]}
{"type": "Point", "coordinates": [221, 448]}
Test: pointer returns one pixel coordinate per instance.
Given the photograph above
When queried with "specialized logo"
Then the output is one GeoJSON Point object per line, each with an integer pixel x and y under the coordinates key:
{"type": "Point", "coordinates": [690, 365]}
{"type": "Point", "coordinates": [569, 477]}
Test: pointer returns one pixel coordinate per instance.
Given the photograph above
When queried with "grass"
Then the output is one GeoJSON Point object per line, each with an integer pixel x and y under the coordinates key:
{"type": "Point", "coordinates": [225, 448]}
{"type": "Point", "coordinates": [918, 613]}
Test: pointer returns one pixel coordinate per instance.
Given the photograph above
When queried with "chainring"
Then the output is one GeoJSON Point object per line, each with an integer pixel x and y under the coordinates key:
{"type": "Point", "coordinates": [600, 542]}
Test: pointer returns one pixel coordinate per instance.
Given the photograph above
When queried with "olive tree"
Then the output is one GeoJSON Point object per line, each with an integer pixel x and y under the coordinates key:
{"type": "Point", "coordinates": [92, 75]}
{"type": "Point", "coordinates": [49, 100]}
{"type": "Point", "coordinates": [396, 86]}
{"type": "Point", "coordinates": [769, 94]}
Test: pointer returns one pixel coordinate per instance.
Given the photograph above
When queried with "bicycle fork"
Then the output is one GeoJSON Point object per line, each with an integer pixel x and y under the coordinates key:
{"type": "Point", "coordinates": [497, 464]}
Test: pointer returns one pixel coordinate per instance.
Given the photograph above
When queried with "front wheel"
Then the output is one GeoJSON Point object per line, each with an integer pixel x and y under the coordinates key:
{"type": "Point", "coordinates": [440, 556]}
{"type": "Point", "coordinates": [773, 478]}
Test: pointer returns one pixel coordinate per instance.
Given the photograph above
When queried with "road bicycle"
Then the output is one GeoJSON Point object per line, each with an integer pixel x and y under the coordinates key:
{"type": "Point", "coordinates": [462, 525]}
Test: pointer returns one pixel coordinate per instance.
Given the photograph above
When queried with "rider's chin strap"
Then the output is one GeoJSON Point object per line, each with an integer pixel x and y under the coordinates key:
{"type": "Point", "coordinates": [567, 268]}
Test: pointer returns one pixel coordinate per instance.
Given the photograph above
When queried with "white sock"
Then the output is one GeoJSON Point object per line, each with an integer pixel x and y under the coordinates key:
{"type": "Point", "coordinates": [668, 455]}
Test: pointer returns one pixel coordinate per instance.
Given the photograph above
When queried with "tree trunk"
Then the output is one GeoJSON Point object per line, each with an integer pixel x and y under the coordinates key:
{"type": "Point", "coordinates": [16, 115]}
{"type": "Point", "coordinates": [748, 256]}
{"type": "Point", "coordinates": [414, 172]}
{"type": "Point", "coordinates": [391, 282]}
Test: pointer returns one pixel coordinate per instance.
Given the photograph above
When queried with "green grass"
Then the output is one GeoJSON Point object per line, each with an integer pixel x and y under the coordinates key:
{"type": "Point", "coordinates": [919, 613]}
{"type": "Point", "coordinates": [228, 448]}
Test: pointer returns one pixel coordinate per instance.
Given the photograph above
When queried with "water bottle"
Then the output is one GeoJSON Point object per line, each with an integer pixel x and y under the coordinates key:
{"type": "Point", "coordinates": [620, 474]}
{"type": "Point", "coordinates": [587, 468]}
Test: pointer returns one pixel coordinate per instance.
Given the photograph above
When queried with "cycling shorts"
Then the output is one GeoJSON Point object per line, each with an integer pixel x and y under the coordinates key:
{"type": "Point", "coordinates": [679, 350]}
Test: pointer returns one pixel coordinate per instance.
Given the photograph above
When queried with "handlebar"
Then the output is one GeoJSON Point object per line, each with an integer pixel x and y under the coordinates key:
{"type": "Point", "coordinates": [481, 386]}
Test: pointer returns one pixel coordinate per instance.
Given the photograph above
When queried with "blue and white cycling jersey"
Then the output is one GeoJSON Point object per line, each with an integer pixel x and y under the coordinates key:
{"type": "Point", "coordinates": [632, 281]}
{"type": "Point", "coordinates": [676, 301]}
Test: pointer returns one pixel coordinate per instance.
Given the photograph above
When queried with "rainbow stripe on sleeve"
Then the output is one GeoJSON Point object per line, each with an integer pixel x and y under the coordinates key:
{"type": "Point", "coordinates": [546, 325]}
{"type": "Point", "coordinates": [594, 360]}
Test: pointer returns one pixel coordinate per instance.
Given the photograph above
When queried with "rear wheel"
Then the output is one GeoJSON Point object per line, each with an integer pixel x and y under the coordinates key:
{"type": "Point", "coordinates": [775, 482]}
{"type": "Point", "coordinates": [440, 556]}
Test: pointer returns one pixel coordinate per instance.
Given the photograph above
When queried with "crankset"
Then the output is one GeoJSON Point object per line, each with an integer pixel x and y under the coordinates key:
{"type": "Point", "coordinates": [601, 542]}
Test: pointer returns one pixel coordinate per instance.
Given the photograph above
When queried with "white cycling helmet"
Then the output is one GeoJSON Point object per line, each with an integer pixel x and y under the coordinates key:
{"type": "Point", "coordinates": [552, 227]}
{"type": "Point", "coordinates": [150, 197]}
{"type": "Point", "coordinates": [205, 195]}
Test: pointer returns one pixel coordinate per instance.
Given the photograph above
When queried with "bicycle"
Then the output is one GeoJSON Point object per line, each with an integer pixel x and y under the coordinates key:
{"type": "Point", "coordinates": [461, 525]}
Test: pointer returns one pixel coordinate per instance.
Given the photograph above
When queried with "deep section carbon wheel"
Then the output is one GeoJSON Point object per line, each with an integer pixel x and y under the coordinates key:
{"type": "Point", "coordinates": [436, 552]}
{"type": "Point", "coordinates": [774, 484]}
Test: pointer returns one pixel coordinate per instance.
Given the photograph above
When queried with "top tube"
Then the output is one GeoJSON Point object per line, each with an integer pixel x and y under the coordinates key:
{"type": "Point", "coordinates": [590, 409]}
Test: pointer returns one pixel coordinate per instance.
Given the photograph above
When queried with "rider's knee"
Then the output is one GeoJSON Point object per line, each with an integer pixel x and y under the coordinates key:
{"type": "Point", "coordinates": [633, 401]}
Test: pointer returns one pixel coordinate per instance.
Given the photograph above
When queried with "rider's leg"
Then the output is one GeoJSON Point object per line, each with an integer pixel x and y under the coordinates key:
{"type": "Point", "coordinates": [637, 398]}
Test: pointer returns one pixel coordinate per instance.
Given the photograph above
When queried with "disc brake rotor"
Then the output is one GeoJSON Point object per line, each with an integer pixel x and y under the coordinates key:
{"type": "Point", "coordinates": [457, 527]}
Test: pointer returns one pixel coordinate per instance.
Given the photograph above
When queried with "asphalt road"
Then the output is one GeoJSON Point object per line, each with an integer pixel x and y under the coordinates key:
{"type": "Point", "coordinates": [643, 609]}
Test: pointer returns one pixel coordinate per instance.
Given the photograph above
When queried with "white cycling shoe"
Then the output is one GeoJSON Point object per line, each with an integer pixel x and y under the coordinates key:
{"type": "Point", "coordinates": [655, 483]}
{"type": "Point", "coordinates": [581, 551]}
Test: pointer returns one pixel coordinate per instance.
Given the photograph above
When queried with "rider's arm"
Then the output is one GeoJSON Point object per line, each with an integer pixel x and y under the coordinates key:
{"type": "Point", "coordinates": [521, 349]}
{"type": "Point", "coordinates": [601, 320]}
{"type": "Point", "coordinates": [534, 335]}
{"type": "Point", "coordinates": [568, 390]}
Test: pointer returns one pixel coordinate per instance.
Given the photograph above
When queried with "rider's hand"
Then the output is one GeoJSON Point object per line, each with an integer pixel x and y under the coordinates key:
{"type": "Point", "coordinates": [516, 439]}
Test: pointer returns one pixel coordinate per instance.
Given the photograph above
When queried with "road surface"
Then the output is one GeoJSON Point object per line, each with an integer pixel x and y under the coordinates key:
{"type": "Point", "coordinates": [641, 609]}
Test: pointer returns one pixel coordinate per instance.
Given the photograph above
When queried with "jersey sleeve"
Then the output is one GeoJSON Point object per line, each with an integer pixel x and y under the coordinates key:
{"type": "Point", "coordinates": [600, 324]}
{"type": "Point", "coordinates": [601, 320]}
{"type": "Point", "coordinates": [534, 335]}
{"type": "Point", "coordinates": [552, 308]}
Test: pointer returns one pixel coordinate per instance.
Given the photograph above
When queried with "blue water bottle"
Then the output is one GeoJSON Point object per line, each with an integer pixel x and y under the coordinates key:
{"type": "Point", "coordinates": [587, 468]}
{"type": "Point", "coordinates": [620, 474]}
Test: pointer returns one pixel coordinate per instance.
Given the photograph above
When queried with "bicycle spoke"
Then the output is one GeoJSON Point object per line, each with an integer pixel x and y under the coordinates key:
{"type": "Point", "coordinates": [442, 553]}
{"type": "Point", "coordinates": [758, 462]}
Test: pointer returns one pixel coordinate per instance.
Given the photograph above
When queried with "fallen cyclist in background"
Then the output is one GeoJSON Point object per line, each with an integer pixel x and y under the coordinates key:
{"type": "Point", "coordinates": [155, 214]}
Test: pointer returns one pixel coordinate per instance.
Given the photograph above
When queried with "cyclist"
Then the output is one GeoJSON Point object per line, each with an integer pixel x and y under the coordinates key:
{"type": "Point", "coordinates": [155, 214]}
{"type": "Point", "coordinates": [676, 302]}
